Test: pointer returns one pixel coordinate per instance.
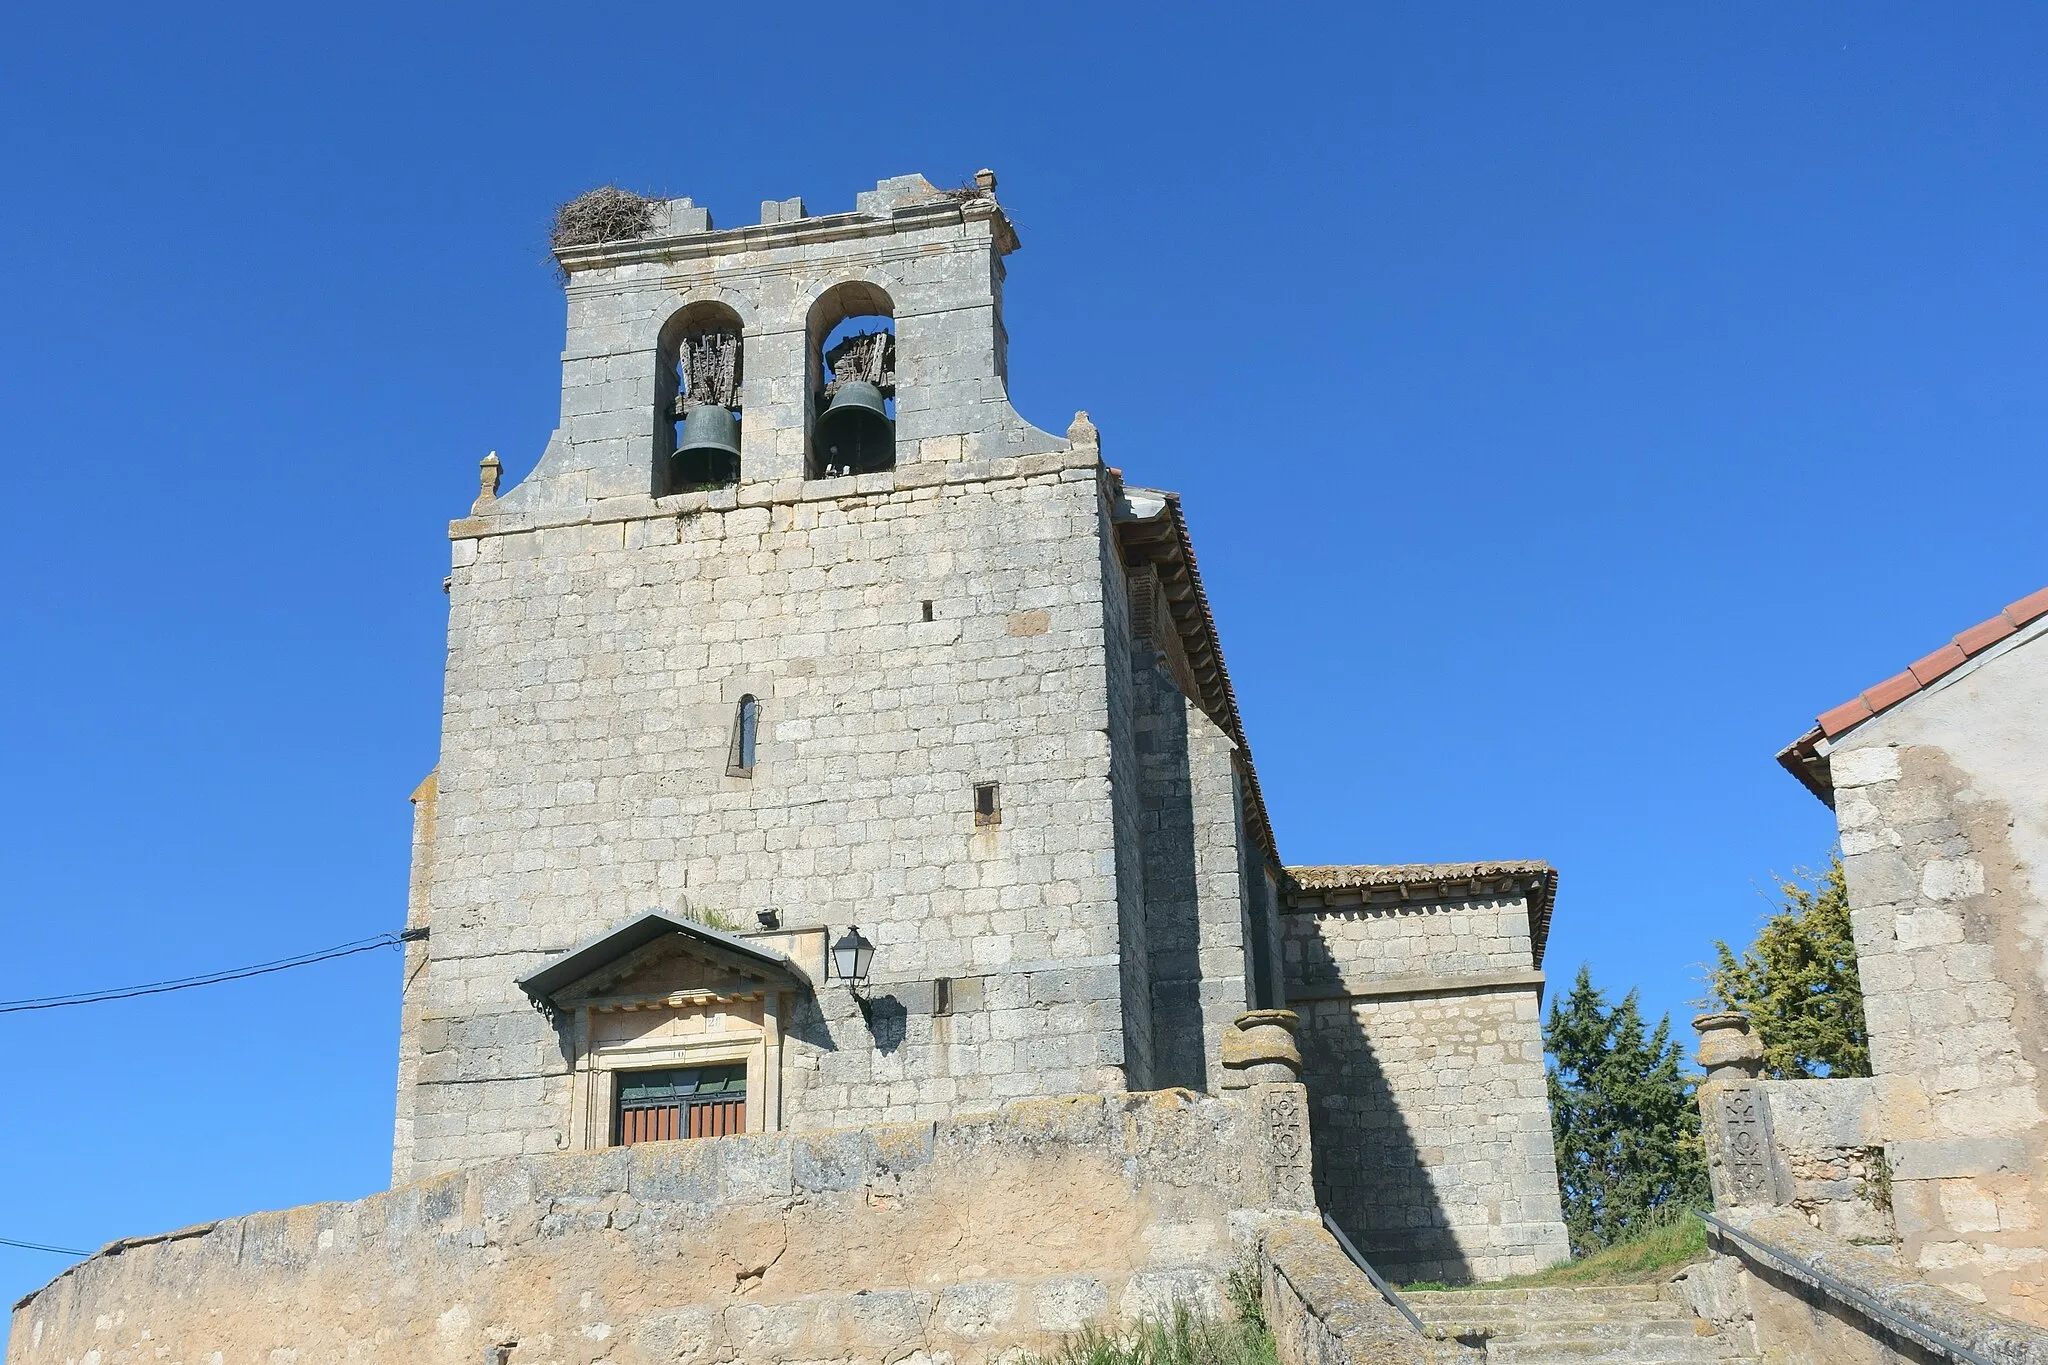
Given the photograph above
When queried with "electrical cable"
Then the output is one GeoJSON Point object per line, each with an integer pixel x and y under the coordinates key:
{"type": "Point", "coordinates": [184, 983]}
{"type": "Point", "coordinates": [38, 1246]}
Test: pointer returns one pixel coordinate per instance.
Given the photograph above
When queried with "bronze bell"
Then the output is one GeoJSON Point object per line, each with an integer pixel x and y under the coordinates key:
{"type": "Point", "coordinates": [855, 435]}
{"type": "Point", "coordinates": [709, 449]}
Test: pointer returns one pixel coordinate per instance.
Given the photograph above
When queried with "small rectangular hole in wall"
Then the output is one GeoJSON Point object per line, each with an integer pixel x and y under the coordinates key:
{"type": "Point", "coordinates": [988, 803]}
{"type": "Point", "coordinates": [927, 611]}
{"type": "Point", "coordinates": [942, 997]}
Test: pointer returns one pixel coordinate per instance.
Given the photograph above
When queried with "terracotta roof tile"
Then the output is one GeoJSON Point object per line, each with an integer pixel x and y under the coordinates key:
{"type": "Point", "coordinates": [1346, 875]}
{"type": "Point", "coordinates": [1890, 692]}
{"type": "Point", "coordinates": [1539, 879]}
{"type": "Point", "coordinates": [1926, 670]}
{"type": "Point", "coordinates": [1842, 717]}
{"type": "Point", "coordinates": [1985, 634]}
{"type": "Point", "coordinates": [1949, 657]}
{"type": "Point", "coordinates": [2033, 605]}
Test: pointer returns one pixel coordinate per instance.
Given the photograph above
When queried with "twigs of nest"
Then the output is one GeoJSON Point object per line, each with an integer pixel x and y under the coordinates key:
{"type": "Point", "coordinates": [711, 370]}
{"type": "Point", "coordinates": [869, 357]}
{"type": "Point", "coordinates": [605, 214]}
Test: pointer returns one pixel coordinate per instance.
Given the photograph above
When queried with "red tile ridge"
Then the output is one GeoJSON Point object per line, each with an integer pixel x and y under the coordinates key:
{"type": "Point", "coordinates": [2028, 608]}
{"type": "Point", "coordinates": [1947, 659]}
{"type": "Point", "coordinates": [1926, 670]}
{"type": "Point", "coordinates": [1851, 712]}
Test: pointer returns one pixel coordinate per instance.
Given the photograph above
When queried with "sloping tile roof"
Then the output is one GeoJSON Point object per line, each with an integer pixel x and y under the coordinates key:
{"type": "Point", "coordinates": [1158, 535]}
{"type": "Point", "coordinates": [1800, 757]}
{"type": "Point", "coordinates": [1412, 880]}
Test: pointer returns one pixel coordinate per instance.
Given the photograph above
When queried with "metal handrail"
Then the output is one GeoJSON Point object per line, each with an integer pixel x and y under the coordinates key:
{"type": "Point", "coordinates": [1386, 1290]}
{"type": "Point", "coordinates": [1863, 1302]}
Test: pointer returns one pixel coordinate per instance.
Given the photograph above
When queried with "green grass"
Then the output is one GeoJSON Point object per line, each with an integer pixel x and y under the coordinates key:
{"type": "Point", "coordinates": [1652, 1256]}
{"type": "Point", "coordinates": [1183, 1339]}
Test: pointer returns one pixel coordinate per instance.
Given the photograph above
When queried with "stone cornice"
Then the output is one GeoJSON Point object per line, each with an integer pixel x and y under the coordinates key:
{"type": "Point", "coordinates": [1419, 983]}
{"type": "Point", "coordinates": [923, 474]}
{"type": "Point", "coordinates": [833, 227]}
{"type": "Point", "coordinates": [605, 1004]}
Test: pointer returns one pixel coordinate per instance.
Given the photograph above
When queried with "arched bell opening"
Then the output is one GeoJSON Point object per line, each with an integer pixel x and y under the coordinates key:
{"type": "Point", "coordinates": [852, 382]}
{"type": "Point", "coordinates": [697, 400]}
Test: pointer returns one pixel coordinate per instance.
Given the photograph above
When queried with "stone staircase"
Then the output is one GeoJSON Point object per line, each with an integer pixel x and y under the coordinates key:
{"type": "Point", "coordinates": [1624, 1324]}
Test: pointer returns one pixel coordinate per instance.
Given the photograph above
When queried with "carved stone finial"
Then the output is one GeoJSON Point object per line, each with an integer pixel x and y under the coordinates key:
{"type": "Point", "coordinates": [487, 472]}
{"type": "Point", "coordinates": [1259, 1049]}
{"type": "Point", "coordinates": [985, 181]}
{"type": "Point", "coordinates": [1082, 432]}
{"type": "Point", "coordinates": [1729, 1047]}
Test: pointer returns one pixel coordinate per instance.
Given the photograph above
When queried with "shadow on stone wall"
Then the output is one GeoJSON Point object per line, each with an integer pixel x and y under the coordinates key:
{"type": "Point", "coordinates": [1173, 944]}
{"type": "Point", "coordinates": [1372, 1175]}
{"type": "Point", "coordinates": [888, 1019]}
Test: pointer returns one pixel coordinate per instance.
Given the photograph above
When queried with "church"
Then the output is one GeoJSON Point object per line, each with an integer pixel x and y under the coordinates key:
{"type": "Point", "coordinates": [827, 749]}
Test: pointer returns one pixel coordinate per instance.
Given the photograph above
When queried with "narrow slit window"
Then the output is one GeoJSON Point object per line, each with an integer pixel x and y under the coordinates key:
{"type": "Point", "coordinates": [988, 804]}
{"type": "Point", "coordinates": [746, 726]}
{"type": "Point", "coordinates": [942, 997]}
{"type": "Point", "coordinates": [927, 611]}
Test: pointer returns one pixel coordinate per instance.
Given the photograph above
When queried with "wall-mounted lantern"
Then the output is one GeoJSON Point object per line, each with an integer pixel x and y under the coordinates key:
{"type": "Point", "coordinates": [851, 957]}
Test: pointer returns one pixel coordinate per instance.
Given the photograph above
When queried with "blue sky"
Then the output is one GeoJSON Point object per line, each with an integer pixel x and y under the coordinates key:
{"type": "Point", "coordinates": [1615, 387]}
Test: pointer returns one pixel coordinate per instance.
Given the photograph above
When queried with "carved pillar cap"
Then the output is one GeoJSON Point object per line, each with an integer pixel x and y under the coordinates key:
{"type": "Point", "coordinates": [1729, 1047]}
{"type": "Point", "coordinates": [1259, 1046]}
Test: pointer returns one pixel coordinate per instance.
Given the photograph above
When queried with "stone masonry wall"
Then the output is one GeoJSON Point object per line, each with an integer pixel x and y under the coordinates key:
{"type": "Point", "coordinates": [1432, 1132]}
{"type": "Point", "coordinates": [1814, 1148]}
{"type": "Point", "coordinates": [594, 671]}
{"type": "Point", "coordinates": [962, 1240]}
{"type": "Point", "coordinates": [933, 261]}
{"type": "Point", "coordinates": [1944, 822]}
{"type": "Point", "coordinates": [1422, 1039]}
{"type": "Point", "coordinates": [1365, 946]}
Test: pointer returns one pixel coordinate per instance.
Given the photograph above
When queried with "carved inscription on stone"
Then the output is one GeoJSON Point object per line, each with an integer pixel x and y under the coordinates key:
{"type": "Point", "coordinates": [1287, 1146]}
{"type": "Point", "coordinates": [1746, 1145]}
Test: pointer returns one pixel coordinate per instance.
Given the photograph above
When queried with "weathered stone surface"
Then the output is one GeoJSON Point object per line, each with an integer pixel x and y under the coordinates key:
{"type": "Point", "coordinates": [1944, 827]}
{"type": "Point", "coordinates": [960, 1239]}
{"type": "Point", "coordinates": [1322, 1310]}
{"type": "Point", "coordinates": [1802, 1321]}
{"type": "Point", "coordinates": [1433, 1146]}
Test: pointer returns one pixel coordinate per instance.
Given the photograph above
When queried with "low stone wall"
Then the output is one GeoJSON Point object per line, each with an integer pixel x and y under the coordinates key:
{"type": "Point", "coordinates": [959, 1240]}
{"type": "Point", "coordinates": [1813, 1147]}
{"type": "Point", "coordinates": [1799, 1320]}
{"type": "Point", "coordinates": [1322, 1310]}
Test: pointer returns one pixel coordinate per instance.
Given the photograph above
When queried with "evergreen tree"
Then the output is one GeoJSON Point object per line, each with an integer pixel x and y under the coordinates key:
{"type": "Point", "coordinates": [1798, 983]}
{"type": "Point", "coordinates": [1629, 1155]}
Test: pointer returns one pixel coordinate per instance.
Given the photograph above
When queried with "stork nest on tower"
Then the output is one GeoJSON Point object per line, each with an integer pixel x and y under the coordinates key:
{"type": "Point", "coordinates": [711, 370]}
{"type": "Point", "coordinates": [869, 357]}
{"type": "Point", "coordinates": [605, 214]}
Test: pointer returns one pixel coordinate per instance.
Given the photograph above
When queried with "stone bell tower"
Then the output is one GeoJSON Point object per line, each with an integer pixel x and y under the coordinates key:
{"type": "Point", "coordinates": [712, 699]}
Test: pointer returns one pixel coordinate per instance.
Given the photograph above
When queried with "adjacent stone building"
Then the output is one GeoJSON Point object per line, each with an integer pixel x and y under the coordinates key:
{"type": "Point", "coordinates": [1419, 990]}
{"type": "Point", "coordinates": [1939, 782]}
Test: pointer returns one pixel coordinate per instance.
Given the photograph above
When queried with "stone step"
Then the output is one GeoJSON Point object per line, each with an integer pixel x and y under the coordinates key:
{"type": "Point", "coordinates": [1628, 1324]}
{"type": "Point", "coordinates": [1507, 1317]}
{"type": "Point", "coordinates": [1707, 1351]}
{"type": "Point", "coordinates": [1560, 1296]}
